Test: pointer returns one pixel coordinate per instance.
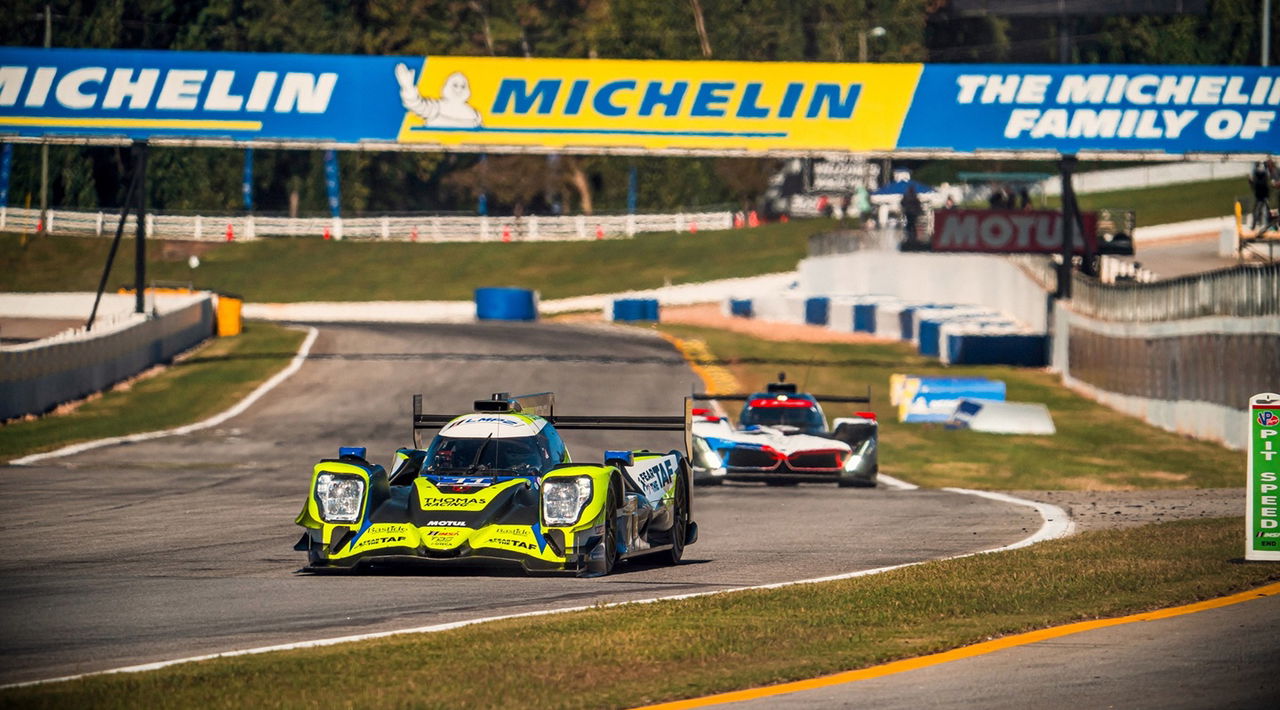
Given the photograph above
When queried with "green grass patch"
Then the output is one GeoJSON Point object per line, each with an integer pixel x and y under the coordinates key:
{"type": "Point", "coordinates": [1171, 203]}
{"type": "Point", "coordinates": [1096, 448]}
{"type": "Point", "coordinates": [208, 380]}
{"type": "Point", "coordinates": [311, 269]}
{"type": "Point", "coordinates": [631, 655]}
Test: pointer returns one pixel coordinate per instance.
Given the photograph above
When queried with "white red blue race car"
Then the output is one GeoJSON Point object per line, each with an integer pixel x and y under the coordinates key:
{"type": "Point", "coordinates": [782, 438]}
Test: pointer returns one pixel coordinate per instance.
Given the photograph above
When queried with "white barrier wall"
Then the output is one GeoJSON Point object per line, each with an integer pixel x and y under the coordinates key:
{"type": "Point", "coordinates": [37, 376]}
{"type": "Point", "coordinates": [1150, 176]}
{"type": "Point", "coordinates": [1224, 421]}
{"type": "Point", "coordinates": [971, 279]}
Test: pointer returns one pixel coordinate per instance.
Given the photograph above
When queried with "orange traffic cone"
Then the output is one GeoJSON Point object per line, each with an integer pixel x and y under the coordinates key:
{"type": "Point", "coordinates": [413, 234]}
{"type": "Point", "coordinates": [506, 233]}
{"type": "Point", "coordinates": [327, 235]}
{"type": "Point", "coordinates": [231, 233]}
{"type": "Point", "coordinates": [753, 219]}
{"type": "Point", "coordinates": [693, 228]}
{"type": "Point", "coordinates": [599, 232]}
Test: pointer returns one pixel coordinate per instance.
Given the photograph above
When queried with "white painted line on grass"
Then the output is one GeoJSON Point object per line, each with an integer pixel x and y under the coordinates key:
{"type": "Point", "coordinates": [891, 482]}
{"type": "Point", "coordinates": [1052, 527]}
{"type": "Point", "coordinates": [213, 421]}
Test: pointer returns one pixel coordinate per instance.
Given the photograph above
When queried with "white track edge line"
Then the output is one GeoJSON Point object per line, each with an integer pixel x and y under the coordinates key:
{"type": "Point", "coordinates": [1053, 527]}
{"type": "Point", "coordinates": [303, 351]}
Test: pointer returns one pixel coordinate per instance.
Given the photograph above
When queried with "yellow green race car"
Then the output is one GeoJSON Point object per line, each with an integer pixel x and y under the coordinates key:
{"type": "Point", "coordinates": [498, 485]}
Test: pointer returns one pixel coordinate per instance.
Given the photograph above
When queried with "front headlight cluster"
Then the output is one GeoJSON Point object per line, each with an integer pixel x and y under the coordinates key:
{"type": "Point", "coordinates": [852, 463]}
{"type": "Point", "coordinates": [339, 497]}
{"type": "Point", "coordinates": [704, 456]}
{"type": "Point", "coordinates": [564, 498]}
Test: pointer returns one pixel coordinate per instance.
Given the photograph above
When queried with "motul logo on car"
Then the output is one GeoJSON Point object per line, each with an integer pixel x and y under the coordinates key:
{"type": "Point", "coordinates": [1005, 231]}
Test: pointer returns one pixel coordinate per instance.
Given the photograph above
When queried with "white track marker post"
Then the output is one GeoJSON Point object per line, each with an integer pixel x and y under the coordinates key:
{"type": "Point", "coordinates": [1262, 489]}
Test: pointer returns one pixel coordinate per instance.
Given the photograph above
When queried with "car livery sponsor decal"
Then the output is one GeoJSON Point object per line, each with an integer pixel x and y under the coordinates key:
{"type": "Point", "coordinates": [654, 476]}
{"type": "Point", "coordinates": [384, 535]}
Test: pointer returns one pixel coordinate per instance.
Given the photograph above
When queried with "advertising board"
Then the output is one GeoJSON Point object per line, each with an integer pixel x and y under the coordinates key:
{"type": "Point", "coordinates": [634, 106]}
{"type": "Point", "coordinates": [1262, 489]}
{"type": "Point", "coordinates": [1008, 231]}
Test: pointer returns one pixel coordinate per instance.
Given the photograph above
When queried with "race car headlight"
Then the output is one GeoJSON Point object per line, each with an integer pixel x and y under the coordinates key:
{"type": "Point", "coordinates": [704, 456]}
{"type": "Point", "coordinates": [852, 463]}
{"type": "Point", "coordinates": [564, 498]}
{"type": "Point", "coordinates": [339, 497]}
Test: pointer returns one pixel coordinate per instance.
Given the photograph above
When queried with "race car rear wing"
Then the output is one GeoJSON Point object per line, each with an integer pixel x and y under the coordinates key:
{"type": "Point", "coordinates": [543, 405]}
{"type": "Point", "coordinates": [820, 397]}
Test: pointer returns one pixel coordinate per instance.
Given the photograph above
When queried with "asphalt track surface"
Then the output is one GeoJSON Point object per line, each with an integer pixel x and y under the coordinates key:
{"type": "Point", "coordinates": [182, 546]}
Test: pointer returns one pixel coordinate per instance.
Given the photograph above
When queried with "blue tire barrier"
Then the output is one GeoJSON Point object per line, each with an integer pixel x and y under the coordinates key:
{"type": "Point", "coordinates": [817, 310]}
{"type": "Point", "coordinates": [864, 317]}
{"type": "Point", "coordinates": [504, 303]}
{"type": "Point", "coordinates": [1029, 350]}
{"type": "Point", "coordinates": [635, 309]}
{"type": "Point", "coordinates": [740, 307]}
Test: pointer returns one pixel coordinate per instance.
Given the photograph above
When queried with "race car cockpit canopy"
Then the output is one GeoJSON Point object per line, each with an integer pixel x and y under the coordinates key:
{"type": "Point", "coordinates": [790, 410]}
{"type": "Point", "coordinates": [520, 455]}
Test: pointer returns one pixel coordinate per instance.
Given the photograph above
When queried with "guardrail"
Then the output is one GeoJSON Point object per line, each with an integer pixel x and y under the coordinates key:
{"type": "Point", "coordinates": [1244, 291]}
{"type": "Point", "coordinates": [409, 228]}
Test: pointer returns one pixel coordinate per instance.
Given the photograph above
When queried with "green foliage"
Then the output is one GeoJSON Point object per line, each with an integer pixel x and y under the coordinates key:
{"type": "Point", "coordinates": [556, 269]}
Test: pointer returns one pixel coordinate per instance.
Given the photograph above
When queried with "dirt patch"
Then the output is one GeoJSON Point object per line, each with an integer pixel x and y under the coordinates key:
{"type": "Point", "coordinates": [709, 315]}
{"type": "Point", "coordinates": [1100, 510]}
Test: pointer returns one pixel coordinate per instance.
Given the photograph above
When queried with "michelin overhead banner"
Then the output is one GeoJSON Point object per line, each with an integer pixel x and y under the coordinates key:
{"type": "Point", "coordinates": [679, 107]}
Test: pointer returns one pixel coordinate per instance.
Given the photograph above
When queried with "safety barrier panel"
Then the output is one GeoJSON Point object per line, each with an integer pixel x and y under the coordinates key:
{"type": "Point", "coordinates": [37, 376]}
{"type": "Point", "coordinates": [635, 309]}
{"type": "Point", "coordinates": [404, 228]}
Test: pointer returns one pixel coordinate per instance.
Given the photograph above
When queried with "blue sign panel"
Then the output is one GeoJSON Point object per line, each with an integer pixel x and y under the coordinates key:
{"type": "Point", "coordinates": [1068, 109]}
{"type": "Point", "coordinates": [248, 97]}
{"type": "Point", "coordinates": [496, 104]}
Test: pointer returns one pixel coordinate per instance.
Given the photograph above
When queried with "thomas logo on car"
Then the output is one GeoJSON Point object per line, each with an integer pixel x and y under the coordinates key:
{"type": "Point", "coordinates": [1267, 418]}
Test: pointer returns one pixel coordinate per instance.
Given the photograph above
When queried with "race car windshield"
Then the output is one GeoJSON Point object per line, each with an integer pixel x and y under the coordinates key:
{"type": "Point", "coordinates": [520, 455]}
{"type": "Point", "coordinates": [806, 419]}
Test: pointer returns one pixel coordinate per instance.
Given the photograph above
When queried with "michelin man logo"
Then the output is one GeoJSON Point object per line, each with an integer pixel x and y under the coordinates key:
{"type": "Point", "coordinates": [451, 110]}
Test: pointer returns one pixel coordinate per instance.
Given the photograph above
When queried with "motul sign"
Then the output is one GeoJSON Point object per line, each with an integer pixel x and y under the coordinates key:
{"type": "Point", "coordinates": [1006, 231]}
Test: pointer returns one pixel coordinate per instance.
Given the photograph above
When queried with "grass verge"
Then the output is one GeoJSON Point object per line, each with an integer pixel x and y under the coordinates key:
{"type": "Point", "coordinates": [318, 270]}
{"type": "Point", "coordinates": [1171, 203]}
{"type": "Point", "coordinates": [207, 381]}
{"type": "Point", "coordinates": [1096, 448]}
{"type": "Point", "coordinates": [632, 655]}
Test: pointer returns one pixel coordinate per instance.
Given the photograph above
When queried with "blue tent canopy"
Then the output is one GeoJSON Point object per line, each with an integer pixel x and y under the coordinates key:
{"type": "Point", "coordinates": [900, 188]}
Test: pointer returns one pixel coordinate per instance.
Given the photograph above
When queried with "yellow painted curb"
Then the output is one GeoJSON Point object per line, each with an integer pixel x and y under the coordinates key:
{"type": "Point", "coordinates": [715, 378]}
{"type": "Point", "coordinates": [910, 664]}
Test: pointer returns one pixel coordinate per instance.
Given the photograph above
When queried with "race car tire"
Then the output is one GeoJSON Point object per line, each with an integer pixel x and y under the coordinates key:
{"type": "Point", "coordinates": [610, 531]}
{"type": "Point", "coordinates": [680, 524]}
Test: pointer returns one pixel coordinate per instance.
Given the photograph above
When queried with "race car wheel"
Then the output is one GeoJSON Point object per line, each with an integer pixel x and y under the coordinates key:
{"type": "Point", "coordinates": [680, 526]}
{"type": "Point", "coordinates": [611, 532]}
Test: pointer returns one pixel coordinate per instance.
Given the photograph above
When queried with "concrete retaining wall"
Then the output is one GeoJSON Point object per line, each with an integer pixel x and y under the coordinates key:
{"type": "Point", "coordinates": [37, 376]}
{"type": "Point", "coordinates": [1191, 376]}
{"type": "Point", "coordinates": [969, 279]}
